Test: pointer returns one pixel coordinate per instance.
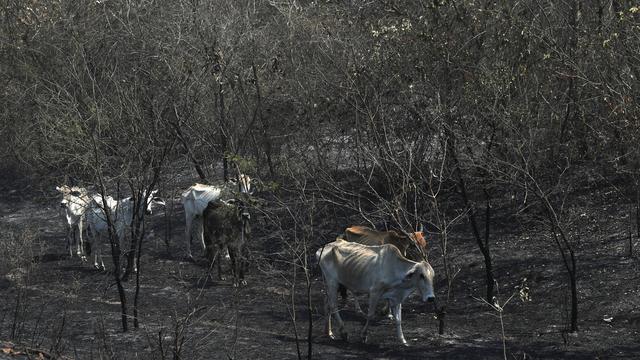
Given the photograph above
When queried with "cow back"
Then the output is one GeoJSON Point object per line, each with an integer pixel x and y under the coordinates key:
{"type": "Point", "coordinates": [367, 236]}
{"type": "Point", "coordinates": [359, 267]}
{"type": "Point", "coordinates": [364, 235]}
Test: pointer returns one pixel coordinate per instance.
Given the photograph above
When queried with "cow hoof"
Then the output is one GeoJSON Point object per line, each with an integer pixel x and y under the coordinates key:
{"type": "Point", "coordinates": [83, 258]}
{"type": "Point", "coordinates": [243, 282]}
{"type": "Point", "coordinates": [222, 278]}
{"type": "Point", "coordinates": [405, 343]}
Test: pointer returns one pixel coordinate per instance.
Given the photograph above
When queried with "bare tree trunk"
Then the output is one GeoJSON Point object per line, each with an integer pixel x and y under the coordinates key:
{"type": "Point", "coordinates": [113, 239]}
{"type": "Point", "coordinates": [482, 245]}
{"type": "Point", "coordinates": [265, 125]}
{"type": "Point", "coordinates": [192, 157]}
{"type": "Point", "coordinates": [637, 218]}
{"type": "Point", "coordinates": [564, 246]}
{"type": "Point", "coordinates": [574, 294]}
{"type": "Point", "coordinates": [441, 314]}
{"type": "Point", "coordinates": [136, 322]}
{"type": "Point", "coordinates": [224, 138]}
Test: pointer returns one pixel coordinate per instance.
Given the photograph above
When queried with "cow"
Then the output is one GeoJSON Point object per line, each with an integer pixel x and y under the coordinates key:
{"type": "Point", "coordinates": [226, 225]}
{"type": "Point", "coordinates": [413, 246]}
{"type": "Point", "coordinates": [381, 271]}
{"type": "Point", "coordinates": [75, 202]}
{"type": "Point", "coordinates": [197, 197]}
{"type": "Point", "coordinates": [121, 213]}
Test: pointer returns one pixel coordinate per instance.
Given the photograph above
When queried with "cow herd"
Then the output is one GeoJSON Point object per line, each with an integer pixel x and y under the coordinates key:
{"type": "Point", "coordinates": [386, 265]}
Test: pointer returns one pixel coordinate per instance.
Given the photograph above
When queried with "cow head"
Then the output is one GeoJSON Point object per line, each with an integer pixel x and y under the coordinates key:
{"type": "Point", "coordinates": [152, 201]}
{"type": "Point", "coordinates": [422, 273]}
{"type": "Point", "coordinates": [70, 194]}
{"type": "Point", "coordinates": [242, 184]}
{"type": "Point", "coordinates": [419, 244]}
{"type": "Point", "coordinates": [245, 184]}
{"type": "Point", "coordinates": [243, 209]}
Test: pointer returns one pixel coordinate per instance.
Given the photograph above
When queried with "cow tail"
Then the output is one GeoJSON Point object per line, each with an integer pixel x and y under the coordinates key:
{"type": "Point", "coordinates": [319, 253]}
{"type": "Point", "coordinates": [316, 269]}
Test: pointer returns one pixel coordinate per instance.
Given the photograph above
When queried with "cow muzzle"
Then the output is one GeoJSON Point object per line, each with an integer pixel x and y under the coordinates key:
{"type": "Point", "coordinates": [63, 205]}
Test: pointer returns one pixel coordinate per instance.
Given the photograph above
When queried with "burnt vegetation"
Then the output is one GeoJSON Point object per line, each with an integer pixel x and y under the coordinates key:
{"type": "Point", "coordinates": [506, 130]}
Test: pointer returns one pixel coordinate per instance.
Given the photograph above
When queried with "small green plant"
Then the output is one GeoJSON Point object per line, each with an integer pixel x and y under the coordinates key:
{"type": "Point", "coordinates": [522, 291]}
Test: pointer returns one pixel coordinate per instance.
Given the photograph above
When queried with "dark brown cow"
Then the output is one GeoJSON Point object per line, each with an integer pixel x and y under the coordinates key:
{"type": "Point", "coordinates": [226, 224]}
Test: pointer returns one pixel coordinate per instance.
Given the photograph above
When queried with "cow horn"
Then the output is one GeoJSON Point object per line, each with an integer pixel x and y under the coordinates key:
{"type": "Point", "coordinates": [415, 244]}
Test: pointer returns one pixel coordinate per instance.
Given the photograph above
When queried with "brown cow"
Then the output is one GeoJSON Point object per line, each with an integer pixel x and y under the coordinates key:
{"type": "Point", "coordinates": [413, 246]}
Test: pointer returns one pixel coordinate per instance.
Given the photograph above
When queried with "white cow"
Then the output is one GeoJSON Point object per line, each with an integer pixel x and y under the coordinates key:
{"type": "Point", "coordinates": [381, 271]}
{"type": "Point", "coordinates": [121, 212]}
{"type": "Point", "coordinates": [75, 202]}
{"type": "Point", "coordinates": [197, 197]}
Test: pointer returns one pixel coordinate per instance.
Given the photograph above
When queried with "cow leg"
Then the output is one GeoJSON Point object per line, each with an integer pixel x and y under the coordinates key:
{"type": "Point", "coordinates": [356, 305]}
{"type": "Point", "coordinates": [327, 313]}
{"type": "Point", "coordinates": [332, 301]}
{"type": "Point", "coordinates": [76, 243]}
{"type": "Point", "coordinates": [187, 236]}
{"type": "Point", "coordinates": [69, 237]}
{"type": "Point", "coordinates": [374, 297]}
{"type": "Point", "coordinates": [386, 310]}
{"type": "Point", "coordinates": [81, 253]}
{"type": "Point", "coordinates": [237, 266]}
{"type": "Point", "coordinates": [132, 253]}
{"type": "Point", "coordinates": [397, 317]}
{"type": "Point", "coordinates": [98, 253]}
{"type": "Point", "coordinates": [245, 260]}
{"type": "Point", "coordinates": [216, 257]}
{"type": "Point", "coordinates": [240, 264]}
{"type": "Point", "coordinates": [233, 254]}
{"type": "Point", "coordinates": [200, 230]}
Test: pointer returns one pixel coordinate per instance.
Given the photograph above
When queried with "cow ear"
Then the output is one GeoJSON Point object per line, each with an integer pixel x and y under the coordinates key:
{"type": "Point", "coordinates": [409, 274]}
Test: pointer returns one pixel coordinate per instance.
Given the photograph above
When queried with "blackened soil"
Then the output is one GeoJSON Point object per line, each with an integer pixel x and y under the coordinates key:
{"type": "Point", "coordinates": [55, 303]}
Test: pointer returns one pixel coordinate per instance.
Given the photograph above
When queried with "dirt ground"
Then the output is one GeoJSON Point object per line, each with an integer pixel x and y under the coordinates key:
{"type": "Point", "coordinates": [59, 304]}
